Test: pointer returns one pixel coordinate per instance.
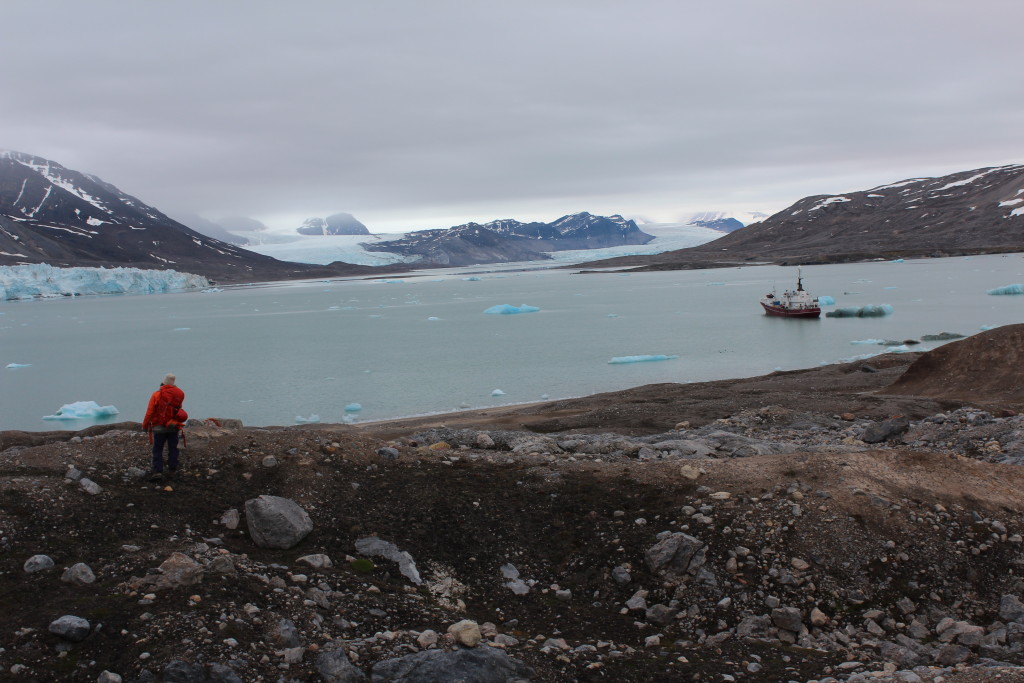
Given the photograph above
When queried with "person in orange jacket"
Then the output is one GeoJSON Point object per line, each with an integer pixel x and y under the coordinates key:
{"type": "Point", "coordinates": [162, 423]}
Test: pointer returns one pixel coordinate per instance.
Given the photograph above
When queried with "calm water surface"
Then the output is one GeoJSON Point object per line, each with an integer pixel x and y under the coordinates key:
{"type": "Point", "coordinates": [269, 354]}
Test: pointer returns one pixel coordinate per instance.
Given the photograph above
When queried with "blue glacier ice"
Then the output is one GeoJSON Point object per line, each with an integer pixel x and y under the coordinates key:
{"type": "Point", "coordinates": [42, 280]}
{"type": "Point", "coordinates": [621, 360]}
{"type": "Point", "coordinates": [312, 419]}
{"type": "Point", "coordinates": [826, 300]}
{"type": "Point", "coordinates": [497, 392]}
{"type": "Point", "coordinates": [82, 410]}
{"type": "Point", "coordinates": [869, 311]}
{"type": "Point", "coordinates": [15, 366]}
{"type": "Point", "coordinates": [353, 408]}
{"type": "Point", "coordinates": [507, 309]}
{"type": "Point", "coordinates": [1007, 290]}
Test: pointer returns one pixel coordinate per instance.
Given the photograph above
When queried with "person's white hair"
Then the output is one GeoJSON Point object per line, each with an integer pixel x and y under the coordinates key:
{"type": "Point", "coordinates": [170, 379]}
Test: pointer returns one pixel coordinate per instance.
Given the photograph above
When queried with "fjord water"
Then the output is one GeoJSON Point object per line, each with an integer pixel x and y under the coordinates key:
{"type": "Point", "coordinates": [400, 347]}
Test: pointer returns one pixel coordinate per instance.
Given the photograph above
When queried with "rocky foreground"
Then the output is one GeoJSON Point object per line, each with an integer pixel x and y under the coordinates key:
{"type": "Point", "coordinates": [773, 543]}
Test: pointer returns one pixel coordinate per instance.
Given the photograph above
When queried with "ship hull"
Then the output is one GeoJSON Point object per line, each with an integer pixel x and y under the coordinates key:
{"type": "Point", "coordinates": [781, 312]}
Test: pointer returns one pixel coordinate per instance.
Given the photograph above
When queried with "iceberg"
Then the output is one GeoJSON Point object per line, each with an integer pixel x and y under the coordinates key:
{"type": "Point", "coordinates": [82, 410]}
{"type": "Point", "coordinates": [312, 419]}
{"type": "Point", "coordinates": [14, 366]}
{"type": "Point", "coordinates": [353, 408]}
{"type": "Point", "coordinates": [869, 311]}
{"type": "Point", "coordinates": [620, 360]}
{"type": "Point", "coordinates": [826, 300]}
{"type": "Point", "coordinates": [1007, 290]}
{"type": "Point", "coordinates": [497, 392]}
{"type": "Point", "coordinates": [506, 309]}
{"type": "Point", "coordinates": [45, 281]}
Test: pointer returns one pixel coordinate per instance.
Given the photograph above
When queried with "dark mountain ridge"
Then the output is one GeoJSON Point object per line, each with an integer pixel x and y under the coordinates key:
{"type": "Point", "coordinates": [511, 240]}
{"type": "Point", "coordinates": [55, 215]}
{"type": "Point", "coordinates": [970, 212]}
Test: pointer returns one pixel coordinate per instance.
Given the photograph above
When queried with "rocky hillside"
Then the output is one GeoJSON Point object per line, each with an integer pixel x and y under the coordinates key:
{"type": "Point", "coordinates": [55, 215]}
{"type": "Point", "coordinates": [971, 212]}
{"type": "Point", "coordinates": [511, 240]}
{"type": "Point", "coordinates": [820, 541]}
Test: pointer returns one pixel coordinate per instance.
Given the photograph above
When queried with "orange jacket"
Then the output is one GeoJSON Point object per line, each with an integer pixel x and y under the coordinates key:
{"type": "Point", "coordinates": [165, 394]}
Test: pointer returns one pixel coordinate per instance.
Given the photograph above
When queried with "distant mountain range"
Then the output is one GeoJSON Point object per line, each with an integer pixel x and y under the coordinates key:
{"type": "Point", "coordinates": [512, 240]}
{"type": "Point", "coordinates": [55, 215]}
{"type": "Point", "coordinates": [970, 212]}
{"type": "Point", "coordinates": [725, 221]}
{"type": "Point", "coordinates": [335, 224]}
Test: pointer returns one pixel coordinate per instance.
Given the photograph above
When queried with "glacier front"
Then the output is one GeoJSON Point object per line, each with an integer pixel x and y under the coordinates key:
{"type": "Point", "coordinates": [41, 280]}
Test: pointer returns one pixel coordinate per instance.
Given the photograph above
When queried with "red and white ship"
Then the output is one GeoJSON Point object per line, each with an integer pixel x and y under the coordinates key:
{"type": "Point", "coordinates": [797, 303]}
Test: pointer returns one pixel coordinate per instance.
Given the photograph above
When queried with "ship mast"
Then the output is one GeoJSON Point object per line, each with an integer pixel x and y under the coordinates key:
{"type": "Point", "coordinates": [799, 280]}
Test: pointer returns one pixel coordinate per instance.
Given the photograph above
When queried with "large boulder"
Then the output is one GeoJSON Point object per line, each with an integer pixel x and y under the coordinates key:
{"type": "Point", "coordinates": [70, 627]}
{"type": "Point", "coordinates": [276, 522]}
{"type": "Point", "coordinates": [480, 665]}
{"type": "Point", "coordinates": [335, 667]}
{"type": "Point", "coordinates": [676, 555]}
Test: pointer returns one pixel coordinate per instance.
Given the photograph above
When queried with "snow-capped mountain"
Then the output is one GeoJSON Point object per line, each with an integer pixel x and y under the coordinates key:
{"type": "Point", "coordinates": [56, 215]}
{"type": "Point", "coordinates": [726, 221]}
{"type": "Point", "coordinates": [335, 224]}
{"type": "Point", "coordinates": [511, 240]}
{"type": "Point", "coordinates": [969, 212]}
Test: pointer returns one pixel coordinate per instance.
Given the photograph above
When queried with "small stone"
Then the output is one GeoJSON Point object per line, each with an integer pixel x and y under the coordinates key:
{"type": "Point", "coordinates": [800, 565]}
{"type": "Point", "coordinates": [317, 561]}
{"type": "Point", "coordinates": [38, 563]}
{"type": "Point", "coordinates": [78, 574]}
{"type": "Point", "coordinates": [108, 677]}
{"type": "Point", "coordinates": [466, 632]}
{"type": "Point", "coordinates": [388, 453]}
{"type": "Point", "coordinates": [230, 519]}
{"type": "Point", "coordinates": [70, 627]}
{"type": "Point", "coordinates": [269, 461]}
{"type": "Point", "coordinates": [427, 638]}
{"type": "Point", "coordinates": [90, 487]}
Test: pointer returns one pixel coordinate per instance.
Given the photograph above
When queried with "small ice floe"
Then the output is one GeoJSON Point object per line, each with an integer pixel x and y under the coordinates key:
{"type": "Point", "coordinates": [613, 315]}
{"type": "Point", "coordinates": [212, 290]}
{"type": "Point", "coordinates": [621, 360]}
{"type": "Point", "coordinates": [508, 309]}
{"type": "Point", "coordinates": [433, 317]}
{"type": "Point", "coordinates": [714, 284]}
{"type": "Point", "coordinates": [312, 419]}
{"type": "Point", "coordinates": [497, 392]}
{"type": "Point", "coordinates": [544, 397]}
{"type": "Point", "coordinates": [869, 311]}
{"type": "Point", "coordinates": [334, 308]}
{"type": "Point", "coordinates": [15, 366]}
{"type": "Point", "coordinates": [1007, 290]}
{"type": "Point", "coordinates": [353, 408]}
{"type": "Point", "coordinates": [472, 278]}
{"type": "Point", "coordinates": [182, 329]}
{"type": "Point", "coordinates": [82, 410]}
{"type": "Point", "coordinates": [826, 300]}
{"type": "Point", "coordinates": [868, 341]}
{"type": "Point", "coordinates": [898, 260]}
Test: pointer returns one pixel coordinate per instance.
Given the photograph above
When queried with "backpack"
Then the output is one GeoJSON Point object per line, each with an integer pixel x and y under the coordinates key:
{"type": "Point", "coordinates": [178, 420]}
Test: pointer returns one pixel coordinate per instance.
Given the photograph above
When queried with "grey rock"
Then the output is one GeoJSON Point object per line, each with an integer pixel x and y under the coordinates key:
{"type": "Point", "coordinates": [621, 575]}
{"type": "Point", "coordinates": [754, 627]}
{"type": "Point", "coordinates": [78, 574]}
{"type": "Point", "coordinates": [230, 519]}
{"type": "Point", "coordinates": [661, 614]}
{"type": "Point", "coordinates": [178, 671]}
{"type": "Point", "coordinates": [371, 546]}
{"type": "Point", "coordinates": [788, 618]}
{"type": "Point", "coordinates": [220, 673]}
{"type": "Point", "coordinates": [951, 654]}
{"type": "Point", "coordinates": [335, 667]}
{"type": "Point", "coordinates": [1010, 608]}
{"type": "Point", "coordinates": [108, 677]}
{"type": "Point", "coordinates": [73, 473]}
{"type": "Point", "coordinates": [38, 563]}
{"type": "Point", "coordinates": [90, 487]}
{"type": "Point", "coordinates": [389, 453]}
{"type": "Point", "coordinates": [276, 522]}
{"type": "Point", "coordinates": [676, 555]}
{"type": "Point", "coordinates": [316, 561]}
{"type": "Point", "coordinates": [70, 627]}
{"type": "Point", "coordinates": [480, 665]}
{"type": "Point", "coordinates": [885, 430]}
{"type": "Point", "coordinates": [284, 634]}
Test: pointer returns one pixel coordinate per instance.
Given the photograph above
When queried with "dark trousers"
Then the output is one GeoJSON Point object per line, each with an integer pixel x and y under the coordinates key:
{"type": "Point", "coordinates": [159, 439]}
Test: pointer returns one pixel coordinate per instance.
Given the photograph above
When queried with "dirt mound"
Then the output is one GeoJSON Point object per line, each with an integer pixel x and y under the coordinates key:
{"type": "Point", "coordinates": [987, 368]}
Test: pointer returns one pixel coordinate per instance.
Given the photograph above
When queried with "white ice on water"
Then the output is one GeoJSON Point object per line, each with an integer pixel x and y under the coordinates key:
{"type": "Point", "coordinates": [82, 410]}
{"type": "Point", "coordinates": [42, 280]}
{"type": "Point", "coordinates": [621, 360]}
{"type": "Point", "coordinates": [1016, 288]}
{"type": "Point", "coordinates": [15, 366]}
{"type": "Point", "coordinates": [353, 408]}
{"type": "Point", "coordinates": [508, 309]}
{"type": "Point", "coordinates": [312, 419]}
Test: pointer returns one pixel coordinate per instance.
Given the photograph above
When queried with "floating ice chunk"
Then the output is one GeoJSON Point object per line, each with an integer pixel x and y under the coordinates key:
{"type": "Point", "coordinates": [507, 309]}
{"type": "Point", "coordinates": [212, 290]}
{"type": "Point", "coordinates": [334, 308]}
{"type": "Point", "coordinates": [544, 397]}
{"type": "Point", "coordinates": [433, 318]}
{"type": "Point", "coordinates": [82, 410]}
{"type": "Point", "coordinates": [474, 278]}
{"type": "Point", "coordinates": [312, 419]}
{"type": "Point", "coordinates": [621, 360]}
{"type": "Point", "coordinates": [14, 366]}
{"type": "Point", "coordinates": [868, 341]}
{"type": "Point", "coordinates": [613, 315]}
{"type": "Point", "coordinates": [714, 284]}
{"type": "Point", "coordinates": [898, 260]}
{"type": "Point", "coordinates": [348, 419]}
{"type": "Point", "coordinates": [497, 392]}
{"type": "Point", "coordinates": [353, 408]}
{"type": "Point", "coordinates": [1007, 290]}
{"type": "Point", "coordinates": [392, 282]}
{"type": "Point", "coordinates": [826, 300]}
{"type": "Point", "coordinates": [182, 329]}
{"type": "Point", "coordinates": [869, 311]}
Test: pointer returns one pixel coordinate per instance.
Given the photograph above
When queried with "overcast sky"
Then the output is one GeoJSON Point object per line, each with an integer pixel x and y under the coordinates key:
{"type": "Point", "coordinates": [417, 114]}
